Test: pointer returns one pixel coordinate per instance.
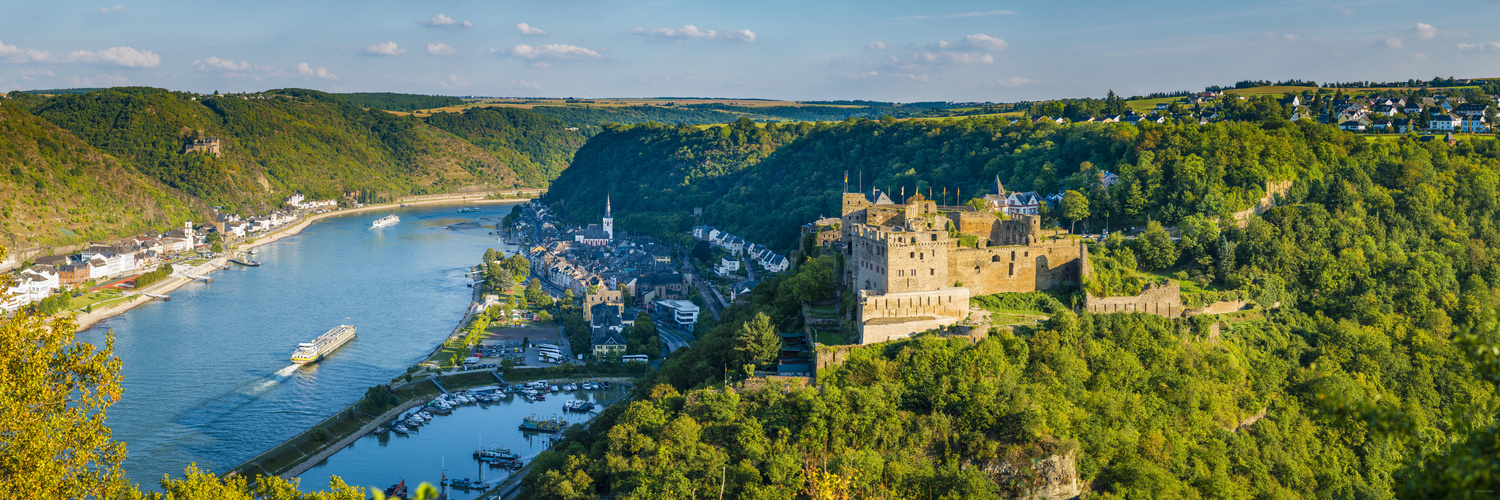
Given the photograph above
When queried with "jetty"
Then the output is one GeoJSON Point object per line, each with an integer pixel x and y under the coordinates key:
{"type": "Point", "coordinates": [157, 296]}
{"type": "Point", "coordinates": [204, 279]}
{"type": "Point", "coordinates": [245, 262]}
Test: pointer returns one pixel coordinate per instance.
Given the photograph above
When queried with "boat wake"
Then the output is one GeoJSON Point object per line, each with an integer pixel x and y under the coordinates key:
{"type": "Point", "coordinates": [261, 386]}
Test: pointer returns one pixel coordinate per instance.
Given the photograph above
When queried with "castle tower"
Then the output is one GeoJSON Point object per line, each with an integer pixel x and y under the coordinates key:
{"type": "Point", "coordinates": [609, 221]}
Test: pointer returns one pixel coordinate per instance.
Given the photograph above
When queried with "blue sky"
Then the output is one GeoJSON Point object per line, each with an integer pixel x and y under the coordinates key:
{"type": "Point", "coordinates": [885, 50]}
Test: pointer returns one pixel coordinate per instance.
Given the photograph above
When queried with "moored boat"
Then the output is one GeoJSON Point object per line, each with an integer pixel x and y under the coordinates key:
{"type": "Point", "coordinates": [535, 424]}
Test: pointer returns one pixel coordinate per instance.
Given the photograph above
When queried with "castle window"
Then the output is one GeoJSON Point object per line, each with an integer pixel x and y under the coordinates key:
{"type": "Point", "coordinates": [913, 240]}
{"type": "Point", "coordinates": [934, 236]}
{"type": "Point", "coordinates": [1012, 255]}
{"type": "Point", "coordinates": [900, 273]}
{"type": "Point", "coordinates": [914, 255]}
{"type": "Point", "coordinates": [995, 258]}
{"type": "Point", "coordinates": [932, 271]}
{"type": "Point", "coordinates": [913, 272]}
{"type": "Point", "coordinates": [922, 255]}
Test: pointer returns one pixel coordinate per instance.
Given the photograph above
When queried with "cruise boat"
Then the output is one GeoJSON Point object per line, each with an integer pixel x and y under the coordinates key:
{"type": "Point", "coordinates": [468, 210]}
{"type": "Point", "coordinates": [388, 220]}
{"type": "Point", "coordinates": [308, 352]}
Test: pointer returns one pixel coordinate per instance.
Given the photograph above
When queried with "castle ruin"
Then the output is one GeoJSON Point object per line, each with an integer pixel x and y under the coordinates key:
{"type": "Point", "coordinates": [915, 264]}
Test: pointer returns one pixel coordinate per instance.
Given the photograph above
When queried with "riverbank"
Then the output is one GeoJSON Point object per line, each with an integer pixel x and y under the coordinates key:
{"type": "Point", "coordinates": [85, 321]}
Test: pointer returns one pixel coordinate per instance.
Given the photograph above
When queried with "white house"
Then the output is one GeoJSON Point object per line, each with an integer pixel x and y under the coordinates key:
{"type": "Point", "coordinates": [1445, 122]}
{"type": "Point", "coordinates": [776, 264]}
{"type": "Point", "coordinates": [107, 263]}
{"type": "Point", "coordinates": [683, 311]}
{"type": "Point", "coordinates": [727, 265]}
{"type": "Point", "coordinates": [33, 284]}
{"type": "Point", "coordinates": [1473, 126]}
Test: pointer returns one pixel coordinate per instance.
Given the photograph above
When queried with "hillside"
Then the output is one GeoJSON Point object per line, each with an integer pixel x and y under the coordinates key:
{"type": "Point", "coordinates": [1367, 370]}
{"type": "Point", "coordinates": [764, 185]}
{"type": "Point", "coordinates": [537, 147]}
{"type": "Point", "coordinates": [391, 101]}
{"type": "Point", "coordinates": [273, 144]}
{"type": "Point", "coordinates": [56, 189]}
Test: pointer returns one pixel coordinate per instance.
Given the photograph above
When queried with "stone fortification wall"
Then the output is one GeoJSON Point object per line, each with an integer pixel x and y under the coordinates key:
{"type": "Point", "coordinates": [1161, 300]}
{"type": "Point", "coordinates": [1018, 268]}
{"type": "Point", "coordinates": [886, 316]}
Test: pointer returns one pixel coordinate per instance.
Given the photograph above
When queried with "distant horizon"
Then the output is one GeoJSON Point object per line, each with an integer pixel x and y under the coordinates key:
{"type": "Point", "coordinates": [769, 99]}
{"type": "Point", "coordinates": [880, 50]}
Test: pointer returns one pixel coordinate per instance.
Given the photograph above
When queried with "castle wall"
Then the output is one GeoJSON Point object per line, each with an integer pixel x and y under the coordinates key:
{"type": "Point", "coordinates": [1017, 268]}
{"type": "Point", "coordinates": [1163, 301]}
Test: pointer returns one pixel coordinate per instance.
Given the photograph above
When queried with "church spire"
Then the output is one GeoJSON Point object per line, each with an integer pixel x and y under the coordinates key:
{"type": "Point", "coordinates": [606, 203]}
{"type": "Point", "coordinates": [999, 189]}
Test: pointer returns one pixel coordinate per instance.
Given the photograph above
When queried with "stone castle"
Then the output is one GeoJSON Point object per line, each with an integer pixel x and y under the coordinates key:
{"type": "Point", "coordinates": [915, 264]}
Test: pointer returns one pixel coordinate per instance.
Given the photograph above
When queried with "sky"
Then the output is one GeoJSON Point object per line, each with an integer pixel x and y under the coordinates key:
{"type": "Point", "coordinates": [904, 51]}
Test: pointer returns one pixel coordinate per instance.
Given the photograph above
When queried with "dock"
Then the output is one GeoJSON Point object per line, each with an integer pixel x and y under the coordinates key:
{"type": "Point", "coordinates": [204, 279]}
{"type": "Point", "coordinates": [157, 296]}
{"type": "Point", "coordinates": [245, 262]}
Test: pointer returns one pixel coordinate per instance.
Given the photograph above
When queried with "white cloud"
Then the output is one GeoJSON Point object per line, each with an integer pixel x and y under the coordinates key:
{"type": "Point", "coordinates": [689, 32]}
{"type": "Point", "coordinates": [525, 84]}
{"type": "Point", "coordinates": [455, 81]}
{"type": "Point", "coordinates": [1391, 43]}
{"type": "Point", "coordinates": [1423, 31]}
{"type": "Point", "coordinates": [552, 52]}
{"type": "Point", "coordinates": [110, 10]}
{"type": "Point", "coordinates": [973, 42]}
{"type": "Point", "coordinates": [442, 21]}
{"type": "Point", "coordinates": [1014, 81]}
{"type": "Point", "coordinates": [98, 81]}
{"type": "Point", "coordinates": [527, 29]}
{"type": "Point", "coordinates": [227, 68]}
{"type": "Point", "coordinates": [1420, 56]}
{"type": "Point", "coordinates": [1272, 35]}
{"type": "Point", "coordinates": [1348, 11]}
{"type": "Point", "coordinates": [441, 49]}
{"type": "Point", "coordinates": [1479, 47]}
{"type": "Point", "coordinates": [114, 56]}
{"type": "Point", "coordinates": [953, 58]}
{"type": "Point", "coordinates": [34, 74]}
{"type": "Point", "coordinates": [305, 69]}
{"type": "Point", "coordinates": [384, 49]}
{"type": "Point", "coordinates": [878, 46]}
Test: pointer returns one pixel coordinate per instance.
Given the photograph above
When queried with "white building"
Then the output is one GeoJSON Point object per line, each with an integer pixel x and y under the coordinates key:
{"type": "Point", "coordinates": [34, 284]}
{"type": "Point", "coordinates": [1445, 122]}
{"type": "Point", "coordinates": [108, 263]}
{"type": "Point", "coordinates": [683, 311]}
{"type": "Point", "coordinates": [727, 266]}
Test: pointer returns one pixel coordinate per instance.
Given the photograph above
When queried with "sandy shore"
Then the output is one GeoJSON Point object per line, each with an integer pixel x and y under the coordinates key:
{"type": "Point", "coordinates": [85, 320]}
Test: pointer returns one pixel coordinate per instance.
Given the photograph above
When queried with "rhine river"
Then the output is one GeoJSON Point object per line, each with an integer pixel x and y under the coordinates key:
{"type": "Point", "coordinates": [207, 378]}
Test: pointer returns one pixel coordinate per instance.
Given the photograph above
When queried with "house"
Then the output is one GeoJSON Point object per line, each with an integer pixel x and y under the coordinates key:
{"type": "Point", "coordinates": [1412, 107]}
{"type": "Point", "coordinates": [1473, 126]}
{"type": "Point", "coordinates": [1470, 111]}
{"type": "Point", "coordinates": [1384, 109]}
{"type": "Point", "coordinates": [1380, 124]}
{"type": "Point", "coordinates": [1445, 122]}
{"type": "Point", "coordinates": [1012, 203]}
{"type": "Point", "coordinates": [727, 266]}
{"type": "Point", "coordinates": [1403, 125]}
{"type": "Point", "coordinates": [33, 284]}
{"type": "Point", "coordinates": [72, 273]}
{"type": "Point", "coordinates": [778, 263]}
{"type": "Point", "coordinates": [1352, 126]}
{"type": "Point", "coordinates": [1294, 101]}
{"type": "Point", "coordinates": [606, 328]}
{"type": "Point", "coordinates": [1163, 105]}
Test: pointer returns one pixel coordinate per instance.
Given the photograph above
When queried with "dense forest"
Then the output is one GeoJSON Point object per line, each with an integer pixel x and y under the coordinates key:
{"type": "Point", "coordinates": [764, 183]}
{"type": "Point", "coordinates": [272, 144]}
{"type": "Point", "coordinates": [56, 189]}
{"type": "Point", "coordinates": [391, 101]}
{"type": "Point", "coordinates": [1372, 372]}
{"type": "Point", "coordinates": [541, 146]}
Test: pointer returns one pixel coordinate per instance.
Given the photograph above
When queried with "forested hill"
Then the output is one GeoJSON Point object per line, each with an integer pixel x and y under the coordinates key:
{"type": "Point", "coordinates": [400, 102]}
{"type": "Point", "coordinates": [273, 144]}
{"type": "Point", "coordinates": [539, 147]}
{"type": "Point", "coordinates": [1368, 369]}
{"type": "Point", "coordinates": [763, 184]}
{"type": "Point", "coordinates": [55, 188]}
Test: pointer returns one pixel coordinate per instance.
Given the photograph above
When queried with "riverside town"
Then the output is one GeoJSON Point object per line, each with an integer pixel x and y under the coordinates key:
{"type": "Point", "coordinates": [646, 250]}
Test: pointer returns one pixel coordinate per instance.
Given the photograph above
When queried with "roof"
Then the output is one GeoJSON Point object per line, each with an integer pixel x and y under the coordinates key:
{"type": "Point", "coordinates": [877, 197]}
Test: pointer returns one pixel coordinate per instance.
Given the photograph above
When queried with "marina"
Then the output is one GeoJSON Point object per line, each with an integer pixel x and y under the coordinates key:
{"type": "Point", "coordinates": [184, 401]}
{"type": "Point", "coordinates": [477, 446]}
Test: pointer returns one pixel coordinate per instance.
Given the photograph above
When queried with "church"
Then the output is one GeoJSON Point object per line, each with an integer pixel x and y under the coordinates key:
{"type": "Point", "coordinates": [598, 235]}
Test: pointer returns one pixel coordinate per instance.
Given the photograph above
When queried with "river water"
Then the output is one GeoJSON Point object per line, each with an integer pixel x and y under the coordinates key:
{"type": "Point", "coordinates": [206, 376]}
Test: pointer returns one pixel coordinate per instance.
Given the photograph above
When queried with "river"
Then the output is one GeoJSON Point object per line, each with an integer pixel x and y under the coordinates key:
{"type": "Point", "coordinates": [206, 376]}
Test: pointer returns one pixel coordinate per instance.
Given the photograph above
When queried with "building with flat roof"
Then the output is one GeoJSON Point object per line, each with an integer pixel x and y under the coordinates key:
{"type": "Point", "coordinates": [683, 311]}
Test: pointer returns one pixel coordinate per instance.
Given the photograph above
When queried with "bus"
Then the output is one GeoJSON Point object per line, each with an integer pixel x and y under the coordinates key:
{"type": "Point", "coordinates": [549, 349]}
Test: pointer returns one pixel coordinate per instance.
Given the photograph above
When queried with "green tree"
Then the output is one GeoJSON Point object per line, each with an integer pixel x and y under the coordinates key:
{"type": "Point", "coordinates": [1157, 250]}
{"type": "Point", "coordinates": [757, 341]}
{"type": "Point", "coordinates": [1075, 207]}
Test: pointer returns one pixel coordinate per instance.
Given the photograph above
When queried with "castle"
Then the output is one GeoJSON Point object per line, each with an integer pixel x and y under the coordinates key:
{"type": "Point", "coordinates": [915, 264]}
{"type": "Point", "coordinates": [208, 145]}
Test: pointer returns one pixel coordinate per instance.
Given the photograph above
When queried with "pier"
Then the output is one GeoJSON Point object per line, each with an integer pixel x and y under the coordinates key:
{"type": "Point", "coordinates": [157, 296]}
{"type": "Point", "coordinates": [204, 279]}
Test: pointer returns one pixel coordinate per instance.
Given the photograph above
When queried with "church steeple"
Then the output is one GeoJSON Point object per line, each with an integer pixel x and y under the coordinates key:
{"type": "Point", "coordinates": [999, 190]}
{"type": "Point", "coordinates": [609, 221]}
